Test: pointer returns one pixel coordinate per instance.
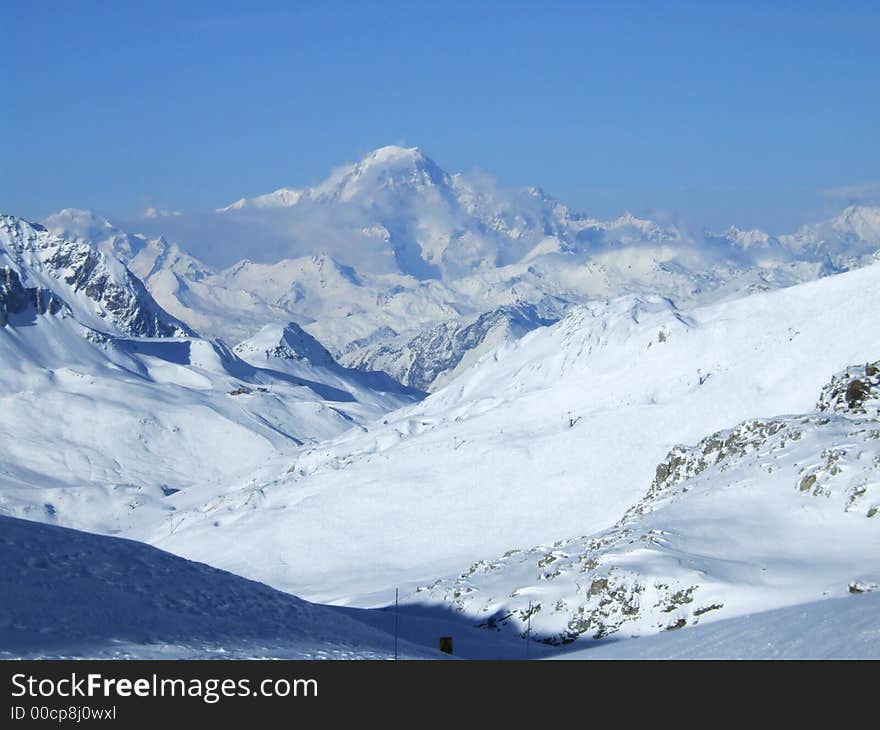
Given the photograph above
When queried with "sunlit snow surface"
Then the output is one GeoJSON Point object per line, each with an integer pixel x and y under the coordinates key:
{"type": "Point", "coordinates": [837, 628]}
{"type": "Point", "coordinates": [491, 463]}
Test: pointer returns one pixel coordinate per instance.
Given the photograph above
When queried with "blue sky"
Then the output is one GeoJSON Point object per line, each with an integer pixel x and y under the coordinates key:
{"type": "Point", "coordinates": [750, 112]}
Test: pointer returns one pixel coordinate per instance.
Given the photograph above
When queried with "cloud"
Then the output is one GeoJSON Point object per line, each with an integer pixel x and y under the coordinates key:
{"type": "Point", "coordinates": [161, 213]}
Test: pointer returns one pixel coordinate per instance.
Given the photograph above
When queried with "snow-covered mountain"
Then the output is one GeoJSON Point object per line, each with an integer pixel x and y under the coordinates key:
{"type": "Point", "coordinates": [391, 252]}
{"type": "Point", "coordinates": [110, 405]}
{"type": "Point", "coordinates": [290, 349]}
{"type": "Point", "coordinates": [848, 240]}
{"type": "Point", "coordinates": [434, 357]}
{"type": "Point", "coordinates": [622, 430]}
{"type": "Point", "coordinates": [74, 278]}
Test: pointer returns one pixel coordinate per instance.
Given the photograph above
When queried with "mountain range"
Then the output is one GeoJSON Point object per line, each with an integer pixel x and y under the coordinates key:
{"type": "Point", "coordinates": [522, 418]}
{"type": "Point", "coordinates": [392, 248]}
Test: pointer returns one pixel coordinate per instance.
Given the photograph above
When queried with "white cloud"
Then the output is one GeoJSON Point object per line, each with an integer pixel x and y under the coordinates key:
{"type": "Point", "coordinates": [161, 213]}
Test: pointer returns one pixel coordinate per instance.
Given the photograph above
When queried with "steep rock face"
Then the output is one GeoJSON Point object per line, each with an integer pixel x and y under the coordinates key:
{"type": "Point", "coordinates": [18, 299]}
{"type": "Point", "coordinates": [95, 287]}
{"type": "Point", "coordinates": [429, 359]}
{"type": "Point", "coordinates": [771, 512]}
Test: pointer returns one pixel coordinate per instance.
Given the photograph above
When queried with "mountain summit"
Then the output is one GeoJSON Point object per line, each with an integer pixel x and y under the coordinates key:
{"type": "Point", "coordinates": [390, 168]}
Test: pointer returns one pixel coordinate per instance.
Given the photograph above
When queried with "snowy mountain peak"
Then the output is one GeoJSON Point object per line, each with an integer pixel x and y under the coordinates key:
{"type": "Point", "coordinates": [744, 239]}
{"type": "Point", "coordinates": [642, 229]}
{"type": "Point", "coordinates": [87, 226]}
{"type": "Point", "coordinates": [860, 220]}
{"type": "Point", "coordinates": [387, 168]}
{"type": "Point", "coordinates": [78, 222]}
{"type": "Point", "coordinates": [850, 239]}
{"type": "Point", "coordinates": [281, 198]}
{"type": "Point", "coordinates": [287, 342]}
{"type": "Point", "coordinates": [394, 154]}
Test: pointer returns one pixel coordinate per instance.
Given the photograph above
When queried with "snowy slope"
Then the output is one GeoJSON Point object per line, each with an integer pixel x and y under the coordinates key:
{"type": "Point", "coordinates": [835, 628]}
{"type": "Point", "coordinates": [98, 435]}
{"type": "Point", "coordinates": [65, 593]}
{"type": "Point", "coordinates": [553, 436]}
{"type": "Point", "coordinates": [69, 594]}
{"type": "Point", "coordinates": [773, 512]}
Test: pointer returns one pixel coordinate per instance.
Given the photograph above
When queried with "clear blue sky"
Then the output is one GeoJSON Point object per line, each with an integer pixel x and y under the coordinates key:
{"type": "Point", "coordinates": [719, 111]}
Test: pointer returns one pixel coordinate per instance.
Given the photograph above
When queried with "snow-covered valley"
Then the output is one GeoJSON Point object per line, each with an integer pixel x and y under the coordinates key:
{"type": "Point", "coordinates": [555, 436]}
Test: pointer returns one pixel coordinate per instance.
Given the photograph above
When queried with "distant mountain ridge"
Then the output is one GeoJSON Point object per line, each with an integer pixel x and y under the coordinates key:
{"type": "Point", "coordinates": [392, 248]}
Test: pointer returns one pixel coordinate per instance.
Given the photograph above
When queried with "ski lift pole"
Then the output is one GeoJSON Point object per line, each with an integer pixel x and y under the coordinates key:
{"type": "Point", "coordinates": [529, 633]}
{"type": "Point", "coordinates": [396, 622]}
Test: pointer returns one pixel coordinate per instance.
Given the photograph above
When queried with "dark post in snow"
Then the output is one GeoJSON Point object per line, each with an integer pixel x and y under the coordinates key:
{"type": "Point", "coordinates": [529, 632]}
{"type": "Point", "coordinates": [396, 608]}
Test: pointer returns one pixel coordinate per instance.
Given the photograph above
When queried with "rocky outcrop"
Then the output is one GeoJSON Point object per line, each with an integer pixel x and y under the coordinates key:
{"type": "Point", "coordinates": [855, 391]}
{"type": "Point", "coordinates": [18, 299]}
